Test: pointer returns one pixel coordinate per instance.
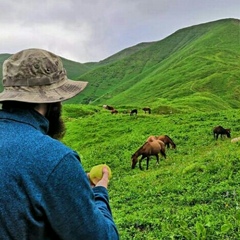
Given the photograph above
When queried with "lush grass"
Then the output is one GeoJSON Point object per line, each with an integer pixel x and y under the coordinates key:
{"type": "Point", "coordinates": [193, 194]}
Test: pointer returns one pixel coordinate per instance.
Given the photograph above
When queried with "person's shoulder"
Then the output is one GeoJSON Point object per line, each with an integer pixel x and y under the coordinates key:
{"type": "Point", "coordinates": [52, 151]}
{"type": "Point", "coordinates": [55, 147]}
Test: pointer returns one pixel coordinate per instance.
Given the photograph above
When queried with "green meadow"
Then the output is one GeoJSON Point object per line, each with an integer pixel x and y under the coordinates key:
{"type": "Point", "coordinates": [192, 194]}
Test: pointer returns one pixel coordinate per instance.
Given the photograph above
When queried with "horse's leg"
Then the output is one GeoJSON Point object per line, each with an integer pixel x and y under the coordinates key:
{"type": "Point", "coordinates": [147, 161]}
{"type": "Point", "coordinates": [163, 153]}
{"type": "Point", "coordinates": [140, 163]}
{"type": "Point", "coordinates": [157, 157]}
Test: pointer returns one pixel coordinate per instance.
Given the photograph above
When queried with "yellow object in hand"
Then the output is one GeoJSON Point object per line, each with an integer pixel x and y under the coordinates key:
{"type": "Point", "coordinates": [96, 173]}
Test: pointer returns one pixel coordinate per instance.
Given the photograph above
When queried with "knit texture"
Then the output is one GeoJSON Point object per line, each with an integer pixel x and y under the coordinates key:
{"type": "Point", "coordinates": [44, 191]}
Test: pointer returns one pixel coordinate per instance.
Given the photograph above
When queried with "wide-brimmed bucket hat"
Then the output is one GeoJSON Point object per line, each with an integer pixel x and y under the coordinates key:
{"type": "Point", "coordinates": [37, 76]}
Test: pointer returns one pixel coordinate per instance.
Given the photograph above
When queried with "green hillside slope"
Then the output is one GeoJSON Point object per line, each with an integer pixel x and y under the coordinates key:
{"type": "Point", "coordinates": [194, 68]}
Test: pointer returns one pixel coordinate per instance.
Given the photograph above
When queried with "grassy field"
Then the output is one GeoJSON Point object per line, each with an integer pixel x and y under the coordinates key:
{"type": "Point", "coordinates": [193, 194]}
{"type": "Point", "coordinates": [190, 80]}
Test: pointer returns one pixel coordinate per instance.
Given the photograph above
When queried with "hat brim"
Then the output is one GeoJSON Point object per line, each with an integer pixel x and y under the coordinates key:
{"type": "Point", "coordinates": [57, 92]}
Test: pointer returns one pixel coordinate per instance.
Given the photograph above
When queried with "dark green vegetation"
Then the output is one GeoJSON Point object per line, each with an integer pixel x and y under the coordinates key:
{"type": "Point", "coordinates": [193, 194]}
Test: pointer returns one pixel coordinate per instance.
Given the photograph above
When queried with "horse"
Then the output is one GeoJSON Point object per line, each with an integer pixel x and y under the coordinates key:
{"type": "Point", "coordinates": [165, 138]}
{"type": "Point", "coordinates": [134, 111]}
{"type": "Point", "coordinates": [108, 107]}
{"type": "Point", "coordinates": [114, 111]}
{"type": "Point", "coordinates": [219, 130]}
{"type": "Point", "coordinates": [148, 149]}
{"type": "Point", "coordinates": [147, 109]}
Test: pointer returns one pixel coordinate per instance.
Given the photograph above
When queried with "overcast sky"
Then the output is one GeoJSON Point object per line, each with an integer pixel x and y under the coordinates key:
{"type": "Point", "coordinates": [92, 30]}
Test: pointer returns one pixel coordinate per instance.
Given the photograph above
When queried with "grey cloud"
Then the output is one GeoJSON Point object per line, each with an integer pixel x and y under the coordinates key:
{"type": "Point", "coordinates": [93, 30]}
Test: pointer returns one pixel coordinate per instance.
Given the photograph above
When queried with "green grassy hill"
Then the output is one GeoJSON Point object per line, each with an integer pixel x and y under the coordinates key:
{"type": "Point", "coordinates": [194, 68]}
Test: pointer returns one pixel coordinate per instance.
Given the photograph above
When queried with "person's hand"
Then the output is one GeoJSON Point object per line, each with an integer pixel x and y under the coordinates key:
{"type": "Point", "coordinates": [102, 182]}
{"type": "Point", "coordinates": [105, 180]}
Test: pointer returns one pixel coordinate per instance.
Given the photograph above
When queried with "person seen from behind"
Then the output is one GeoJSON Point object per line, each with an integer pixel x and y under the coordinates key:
{"type": "Point", "coordinates": [44, 191]}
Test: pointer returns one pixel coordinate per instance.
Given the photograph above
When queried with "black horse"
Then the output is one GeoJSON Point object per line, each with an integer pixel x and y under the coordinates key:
{"type": "Point", "coordinates": [219, 130]}
{"type": "Point", "coordinates": [134, 112]}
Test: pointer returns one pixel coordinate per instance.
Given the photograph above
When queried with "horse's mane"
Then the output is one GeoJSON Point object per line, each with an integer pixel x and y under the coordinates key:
{"type": "Point", "coordinates": [144, 145]}
{"type": "Point", "coordinates": [168, 137]}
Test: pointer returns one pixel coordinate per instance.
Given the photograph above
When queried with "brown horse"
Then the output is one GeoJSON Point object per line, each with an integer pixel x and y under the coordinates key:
{"type": "Point", "coordinates": [147, 109]}
{"type": "Point", "coordinates": [148, 149]}
{"type": "Point", "coordinates": [165, 138]}
{"type": "Point", "coordinates": [219, 130]}
{"type": "Point", "coordinates": [108, 107]}
{"type": "Point", "coordinates": [114, 111]}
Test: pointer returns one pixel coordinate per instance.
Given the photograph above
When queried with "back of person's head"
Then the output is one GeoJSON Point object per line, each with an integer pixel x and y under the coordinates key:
{"type": "Point", "coordinates": [7, 105]}
{"type": "Point", "coordinates": [37, 76]}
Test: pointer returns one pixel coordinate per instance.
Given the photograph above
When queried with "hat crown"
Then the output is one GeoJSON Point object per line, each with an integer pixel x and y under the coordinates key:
{"type": "Point", "coordinates": [32, 67]}
{"type": "Point", "coordinates": [37, 76]}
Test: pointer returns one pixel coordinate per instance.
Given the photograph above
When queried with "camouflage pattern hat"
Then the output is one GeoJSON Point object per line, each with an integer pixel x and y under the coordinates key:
{"type": "Point", "coordinates": [37, 76]}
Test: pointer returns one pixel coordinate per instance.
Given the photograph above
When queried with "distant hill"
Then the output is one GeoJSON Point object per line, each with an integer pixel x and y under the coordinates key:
{"type": "Point", "coordinates": [195, 68]}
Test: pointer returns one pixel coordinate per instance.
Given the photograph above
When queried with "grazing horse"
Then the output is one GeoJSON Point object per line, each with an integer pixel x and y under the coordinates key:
{"type": "Point", "coordinates": [108, 107]}
{"type": "Point", "coordinates": [134, 111]}
{"type": "Point", "coordinates": [114, 111]}
{"type": "Point", "coordinates": [165, 138]}
{"type": "Point", "coordinates": [148, 149]}
{"type": "Point", "coordinates": [147, 109]}
{"type": "Point", "coordinates": [219, 130]}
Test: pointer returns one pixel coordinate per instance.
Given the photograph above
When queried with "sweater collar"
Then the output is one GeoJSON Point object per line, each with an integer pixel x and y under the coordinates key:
{"type": "Point", "coordinates": [27, 116]}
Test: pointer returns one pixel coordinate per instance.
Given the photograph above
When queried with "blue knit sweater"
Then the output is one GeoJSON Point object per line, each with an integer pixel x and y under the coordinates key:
{"type": "Point", "coordinates": [44, 191]}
